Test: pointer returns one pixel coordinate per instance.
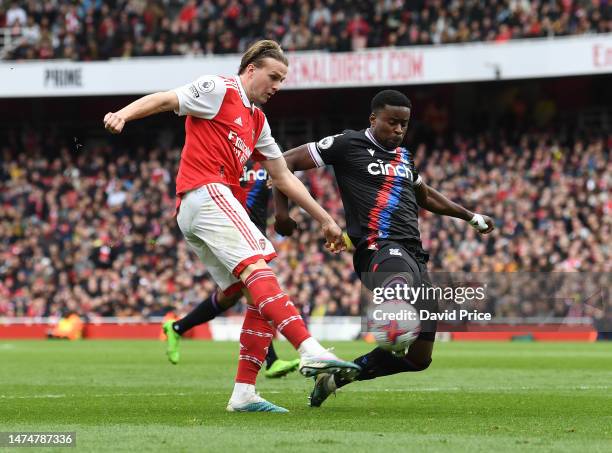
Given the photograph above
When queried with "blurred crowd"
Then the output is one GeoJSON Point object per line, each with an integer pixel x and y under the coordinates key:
{"type": "Point", "coordinates": [97, 30]}
{"type": "Point", "coordinates": [91, 229]}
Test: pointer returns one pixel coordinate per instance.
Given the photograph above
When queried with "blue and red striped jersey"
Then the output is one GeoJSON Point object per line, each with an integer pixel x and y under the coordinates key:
{"type": "Point", "coordinates": [254, 181]}
{"type": "Point", "coordinates": [376, 185]}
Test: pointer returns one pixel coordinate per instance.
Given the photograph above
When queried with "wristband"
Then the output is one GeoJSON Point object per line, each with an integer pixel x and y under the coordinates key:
{"type": "Point", "coordinates": [478, 222]}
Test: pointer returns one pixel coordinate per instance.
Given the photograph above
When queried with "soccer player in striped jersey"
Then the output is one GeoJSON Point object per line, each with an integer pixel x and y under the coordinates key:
{"type": "Point", "coordinates": [256, 184]}
{"type": "Point", "coordinates": [382, 192]}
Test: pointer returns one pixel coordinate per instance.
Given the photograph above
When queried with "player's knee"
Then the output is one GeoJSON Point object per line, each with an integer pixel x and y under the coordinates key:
{"type": "Point", "coordinates": [416, 365]}
{"type": "Point", "coordinates": [420, 354]}
{"type": "Point", "coordinates": [247, 271]}
{"type": "Point", "coordinates": [422, 365]}
{"type": "Point", "coordinates": [419, 360]}
{"type": "Point", "coordinates": [225, 301]}
{"type": "Point", "coordinates": [260, 283]}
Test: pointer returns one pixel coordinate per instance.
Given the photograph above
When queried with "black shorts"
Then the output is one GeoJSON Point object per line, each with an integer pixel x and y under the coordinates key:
{"type": "Point", "coordinates": [408, 259]}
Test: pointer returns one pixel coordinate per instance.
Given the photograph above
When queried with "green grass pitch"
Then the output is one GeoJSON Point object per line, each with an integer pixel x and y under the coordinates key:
{"type": "Point", "coordinates": [125, 396]}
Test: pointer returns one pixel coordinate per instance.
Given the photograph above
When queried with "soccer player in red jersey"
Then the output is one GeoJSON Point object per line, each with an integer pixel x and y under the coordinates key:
{"type": "Point", "coordinates": [223, 129]}
{"type": "Point", "coordinates": [258, 190]}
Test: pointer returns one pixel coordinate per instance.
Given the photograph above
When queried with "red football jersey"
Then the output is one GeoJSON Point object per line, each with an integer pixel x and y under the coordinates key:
{"type": "Point", "coordinates": [222, 131]}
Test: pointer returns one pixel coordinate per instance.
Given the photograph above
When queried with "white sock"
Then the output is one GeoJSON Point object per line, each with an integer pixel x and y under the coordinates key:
{"type": "Point", "coordinates": [242, 392]}
{"type": "Point", "coordinates": [311, 347]}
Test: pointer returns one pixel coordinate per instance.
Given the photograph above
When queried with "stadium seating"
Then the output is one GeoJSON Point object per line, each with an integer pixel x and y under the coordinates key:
{"type": "Point", "coordinates": [93, 30]}
{"type": "Point", "coordinates": [97, 235]}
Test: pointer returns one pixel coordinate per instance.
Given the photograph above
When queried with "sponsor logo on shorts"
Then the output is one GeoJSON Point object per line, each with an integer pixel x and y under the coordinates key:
{"type": "Point", "coordinates": [262, 244]}
{"type": "Point", "coordinates": [395, 252]}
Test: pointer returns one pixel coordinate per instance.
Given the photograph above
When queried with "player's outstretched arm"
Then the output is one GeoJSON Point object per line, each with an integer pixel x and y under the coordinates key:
{"type": "Point", "coordinates": [163, 101]}
{"type": "Point", "coordinates": [296, 159]}
{"type": "Point", "coordinates": [430, 199]}
{"type": "Point", "coordinates": [285, 181]}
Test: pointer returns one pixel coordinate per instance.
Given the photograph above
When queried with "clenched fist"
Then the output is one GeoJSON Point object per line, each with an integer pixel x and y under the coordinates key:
{"type": "Point", "coordinates": [334, 240]}
{"type": "Point", "coordinates": [113, 123]}
{"type": "Point", "coordinates": [482, 223]}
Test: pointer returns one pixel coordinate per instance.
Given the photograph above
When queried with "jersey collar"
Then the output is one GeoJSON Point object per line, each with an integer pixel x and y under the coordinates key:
{"type": "Point", "coordinates": [243, 96]}
{"type": "Point", "coordinates": [370, 136]}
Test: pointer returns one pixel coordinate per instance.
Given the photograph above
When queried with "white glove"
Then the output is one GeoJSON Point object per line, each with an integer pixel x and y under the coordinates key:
{"type": "Point", "coordinates": [478, 222]}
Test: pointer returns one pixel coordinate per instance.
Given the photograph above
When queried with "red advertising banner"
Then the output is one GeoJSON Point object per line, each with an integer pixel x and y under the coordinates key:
{"type": "Point", "coordinates": [351, 68]}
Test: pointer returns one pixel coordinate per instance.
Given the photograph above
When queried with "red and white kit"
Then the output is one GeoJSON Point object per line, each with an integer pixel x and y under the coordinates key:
{"type": "Point", "coordinates": [222, 131]}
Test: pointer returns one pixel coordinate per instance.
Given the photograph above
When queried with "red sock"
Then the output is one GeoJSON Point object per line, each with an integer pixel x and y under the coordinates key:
{"type": "Point", "coordinates": [275, 306]}
{"type": "Point", "coordinates": [255, 337]}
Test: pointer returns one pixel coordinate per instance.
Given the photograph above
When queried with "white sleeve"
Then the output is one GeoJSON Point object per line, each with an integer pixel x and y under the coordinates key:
{"type": "Point", "coordinates": [266, 145]}
{"type": "Point", "coordinates": [201, 98]}
{"type": "Point", "coordinates": [315, 155]}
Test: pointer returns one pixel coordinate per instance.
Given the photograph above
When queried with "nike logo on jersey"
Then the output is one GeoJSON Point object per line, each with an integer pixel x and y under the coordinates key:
{"type": "Point", "coordinates": [238, 121]}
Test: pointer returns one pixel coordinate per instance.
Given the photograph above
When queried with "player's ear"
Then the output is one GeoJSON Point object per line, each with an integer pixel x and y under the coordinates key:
{"type": "Point", "coordinates": [372, 119]}
{"type": "Point", "coordinates": [250, 69]}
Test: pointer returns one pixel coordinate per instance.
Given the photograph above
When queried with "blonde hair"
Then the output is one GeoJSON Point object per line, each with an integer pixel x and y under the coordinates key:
{"type": "Point", "coordinates": [260, 50]}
